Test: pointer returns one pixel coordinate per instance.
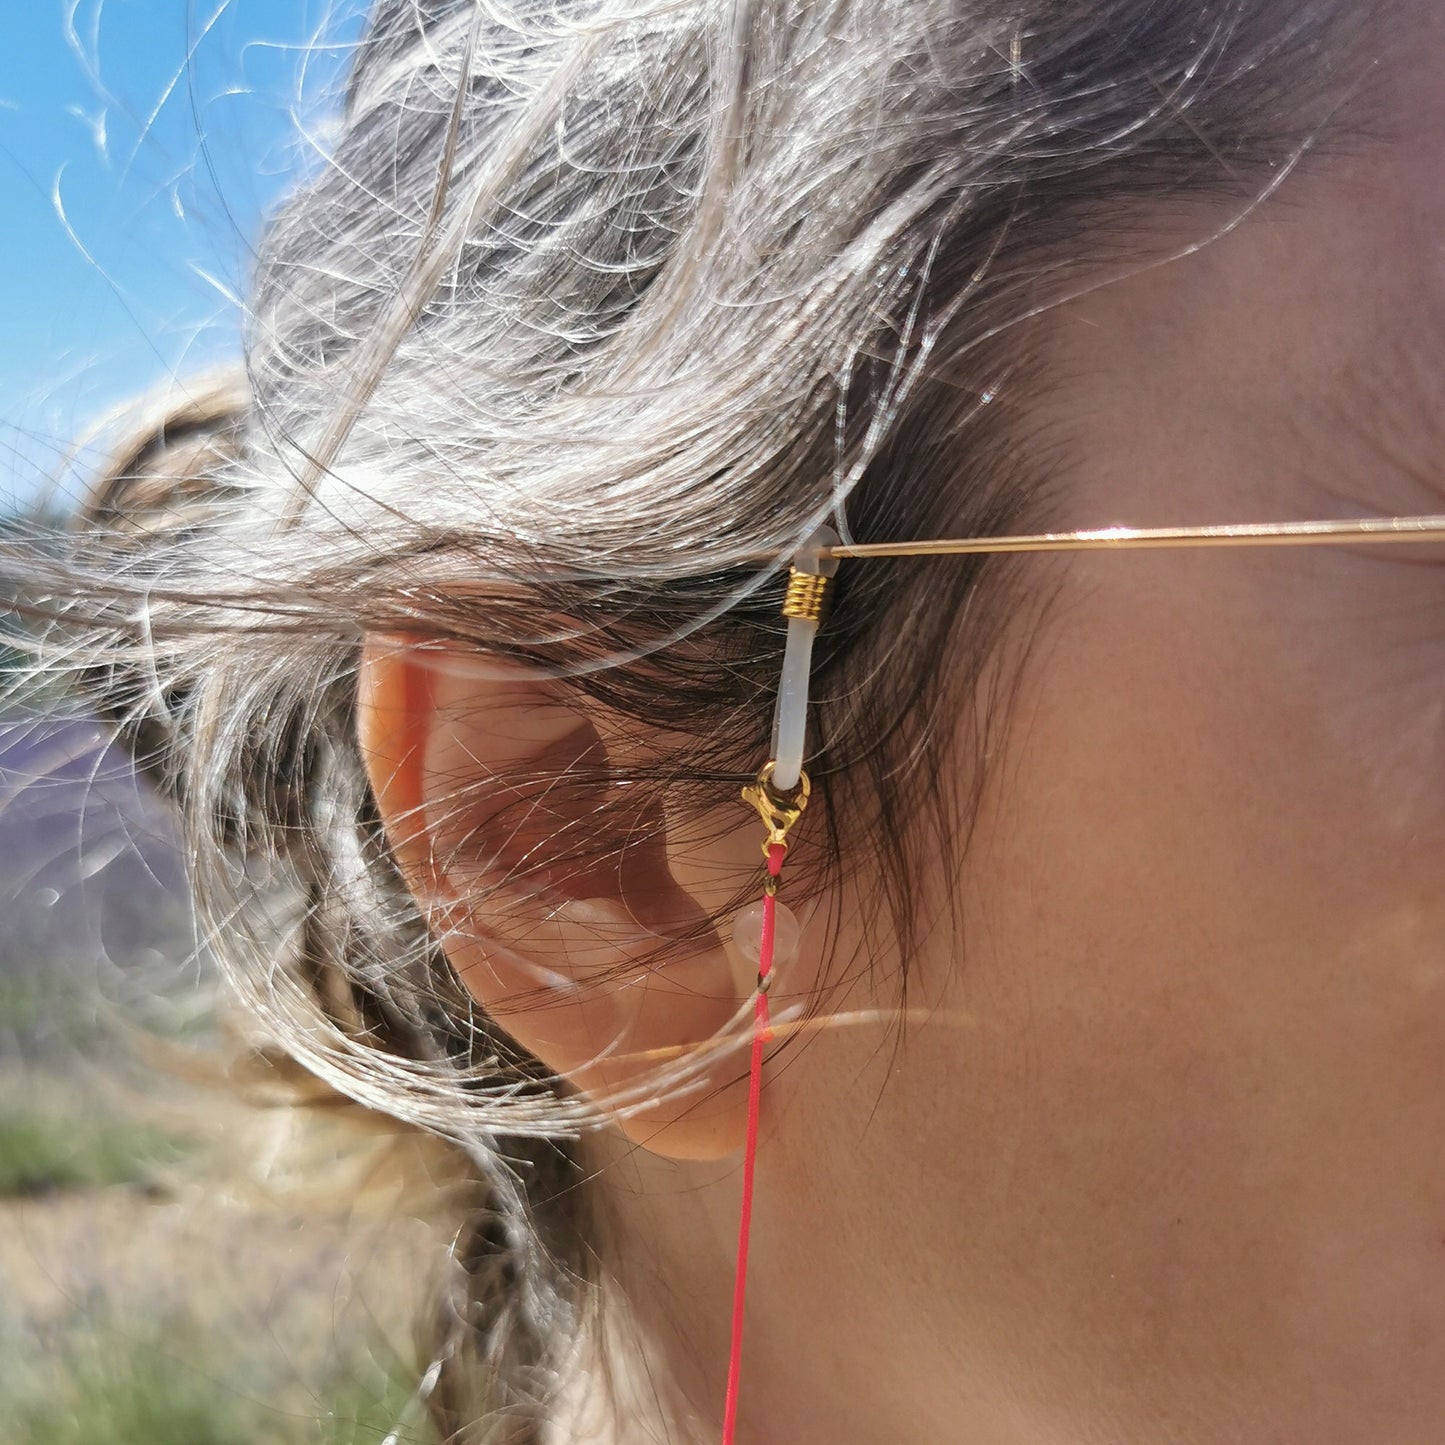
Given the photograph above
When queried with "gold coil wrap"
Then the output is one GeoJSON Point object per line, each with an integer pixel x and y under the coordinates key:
{"type": "Point", "coordinates": [805, 595]}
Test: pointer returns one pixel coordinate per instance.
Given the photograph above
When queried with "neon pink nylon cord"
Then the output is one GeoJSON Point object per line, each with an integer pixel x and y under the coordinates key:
{"type": "Point", "coordinates": [762, 1036]}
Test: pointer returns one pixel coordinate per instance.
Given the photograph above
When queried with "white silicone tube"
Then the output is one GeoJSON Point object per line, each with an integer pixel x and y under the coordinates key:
{"type": "Point", "coordinates": [790, 721]}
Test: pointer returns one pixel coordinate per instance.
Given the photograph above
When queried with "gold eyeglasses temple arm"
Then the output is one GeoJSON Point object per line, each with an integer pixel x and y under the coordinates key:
{"type": "Point", "coordinates": [1105, 539]}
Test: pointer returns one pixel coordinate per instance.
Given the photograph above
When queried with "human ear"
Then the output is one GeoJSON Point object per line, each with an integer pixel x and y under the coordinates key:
{"type": "Point", "coordinates": [551, 899]}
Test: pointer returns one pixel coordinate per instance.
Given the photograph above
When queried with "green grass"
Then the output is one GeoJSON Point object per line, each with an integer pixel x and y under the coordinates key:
{"type": "Point", "coordinates": [42, 1152]}
{"type": "Point", "coordinates": [128, 1391]}
{"type": "Point", "coordinates": [162, 1385]}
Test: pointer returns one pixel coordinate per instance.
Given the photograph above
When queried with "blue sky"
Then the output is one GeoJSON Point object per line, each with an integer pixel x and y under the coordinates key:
{"type": "Point", "coordinates": [140, 143]}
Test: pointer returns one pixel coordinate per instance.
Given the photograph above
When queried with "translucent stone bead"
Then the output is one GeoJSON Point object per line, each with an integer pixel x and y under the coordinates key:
{"type": "Point", "coordinates": [748, 932]}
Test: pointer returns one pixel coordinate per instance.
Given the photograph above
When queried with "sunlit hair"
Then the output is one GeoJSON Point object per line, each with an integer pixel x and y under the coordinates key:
{"type": "Point", "coordinates": [592, 306]}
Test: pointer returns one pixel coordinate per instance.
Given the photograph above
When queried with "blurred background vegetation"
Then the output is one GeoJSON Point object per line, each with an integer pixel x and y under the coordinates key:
{"type": "Point", "coordinates": [148, 1295]}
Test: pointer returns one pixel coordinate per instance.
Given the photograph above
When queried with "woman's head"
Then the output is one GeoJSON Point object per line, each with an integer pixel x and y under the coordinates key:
{"type": "Point", "coordinates": [1118, 881]}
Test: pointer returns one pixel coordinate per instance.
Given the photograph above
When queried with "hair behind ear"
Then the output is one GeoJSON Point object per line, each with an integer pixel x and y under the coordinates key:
{"type": "Point", "coordinates": [169, 469]}
{"type": "Point", "coordinates": [167, 476]}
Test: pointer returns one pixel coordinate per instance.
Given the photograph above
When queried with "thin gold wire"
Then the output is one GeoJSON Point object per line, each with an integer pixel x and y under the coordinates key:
{"type": "Point", "coordinates": [1107, 539]}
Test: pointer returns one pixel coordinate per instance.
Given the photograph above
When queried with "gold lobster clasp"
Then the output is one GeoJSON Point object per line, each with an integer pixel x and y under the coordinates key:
{"type": "Point", "coordinates": [779, 811]}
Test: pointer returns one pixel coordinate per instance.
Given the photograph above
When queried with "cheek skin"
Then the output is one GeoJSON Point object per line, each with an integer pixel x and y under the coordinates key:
{"type": "Point", "coordinates": [1183, 1177]}
{"type": "Point", "coordinates": [1222, 958]}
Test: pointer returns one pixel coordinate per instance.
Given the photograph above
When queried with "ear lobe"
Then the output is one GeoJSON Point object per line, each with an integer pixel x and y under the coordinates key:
{"type": "Point", "coordinates": [548, 898]}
